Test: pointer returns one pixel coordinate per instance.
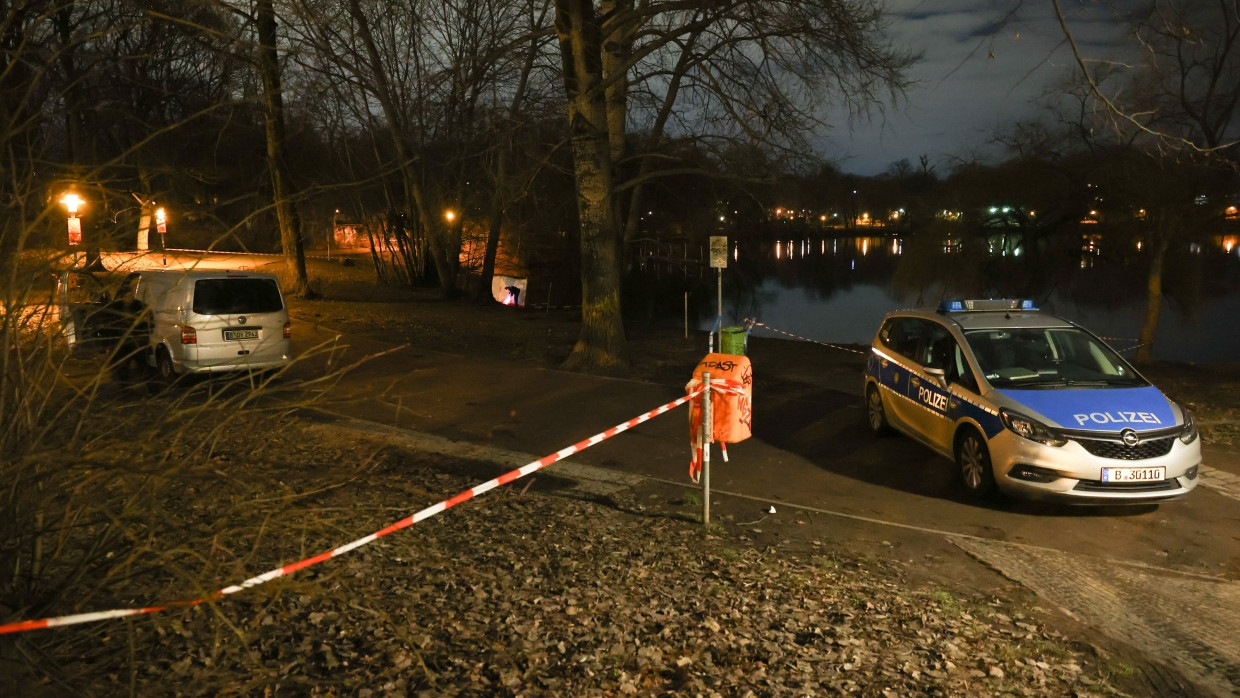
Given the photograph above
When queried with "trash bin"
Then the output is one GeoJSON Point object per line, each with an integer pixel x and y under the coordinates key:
{"type": "Point", "coordinates": [732, 340]}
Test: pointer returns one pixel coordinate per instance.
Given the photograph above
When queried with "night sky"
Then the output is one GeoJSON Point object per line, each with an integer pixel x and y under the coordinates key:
{"type": "Point", "coordinates": [986, 63]}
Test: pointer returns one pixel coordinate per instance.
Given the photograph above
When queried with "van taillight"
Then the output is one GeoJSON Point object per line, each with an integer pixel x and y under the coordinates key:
{"type": "Point", "coordinates": [288, 329]}
{"type": "Point", "coordinates": [189, 335]}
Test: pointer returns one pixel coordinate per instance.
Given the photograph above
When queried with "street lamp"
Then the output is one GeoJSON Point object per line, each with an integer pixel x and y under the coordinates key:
{"type": "Point", "coordinates": [449, 215]}
{"type": "Point", "coordinates": [72, 202]}
{"type": "Point", "coordinates": [161, 227]}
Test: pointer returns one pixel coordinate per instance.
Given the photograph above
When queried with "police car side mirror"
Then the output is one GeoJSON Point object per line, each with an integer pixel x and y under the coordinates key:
{"type": "Point", "coordinates": [938, 375]}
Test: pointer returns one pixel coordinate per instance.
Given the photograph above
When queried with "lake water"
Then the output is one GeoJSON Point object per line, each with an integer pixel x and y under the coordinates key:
{"type": "Point", "coordinates": [837, 291]}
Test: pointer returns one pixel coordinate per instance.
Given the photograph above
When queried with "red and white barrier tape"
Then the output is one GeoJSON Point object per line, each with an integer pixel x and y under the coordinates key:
{"type": "Point", "coordinates": [806, 339]}
{"type": "Point", "coordinates": [61, 621]}
{"type": "Point", "coordinates": [726, 386]}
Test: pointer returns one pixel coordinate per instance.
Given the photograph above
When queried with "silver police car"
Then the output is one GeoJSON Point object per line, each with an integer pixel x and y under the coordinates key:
{"type": "Point", "coordinates": [1028, 404]}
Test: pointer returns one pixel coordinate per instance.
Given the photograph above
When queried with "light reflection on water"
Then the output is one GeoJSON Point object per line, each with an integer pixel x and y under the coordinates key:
{"type": "Point", "coordinates": [837, 291]}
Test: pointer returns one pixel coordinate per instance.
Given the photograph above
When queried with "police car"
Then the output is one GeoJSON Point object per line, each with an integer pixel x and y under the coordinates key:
{"type": "Point", "coordinates": [1028, 404]}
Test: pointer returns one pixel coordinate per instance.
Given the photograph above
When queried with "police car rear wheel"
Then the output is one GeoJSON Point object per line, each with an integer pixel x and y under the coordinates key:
{"type": "Point", "coordinates": [973, 459]}
{"type": "Point", "coordinates": [874, 412]}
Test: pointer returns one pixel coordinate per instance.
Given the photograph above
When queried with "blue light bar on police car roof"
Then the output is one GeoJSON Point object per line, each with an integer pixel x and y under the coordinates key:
{"type": "Point", "coordinates": [963, 306]}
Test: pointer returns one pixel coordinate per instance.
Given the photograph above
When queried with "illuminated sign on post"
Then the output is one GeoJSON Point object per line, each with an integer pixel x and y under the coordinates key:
{"type": "Point", "coordinates": [72, 202]}
{"type": "Point", "coordinates": [718, 251]}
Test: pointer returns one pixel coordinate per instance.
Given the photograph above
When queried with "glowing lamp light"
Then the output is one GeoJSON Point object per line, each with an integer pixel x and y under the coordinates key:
{"type": "Point", "coordinates": [449, 215]}
{"type": "Point", "coordinates": [72, 202]}
{"type": "Point", "coordinates": [161, 221]}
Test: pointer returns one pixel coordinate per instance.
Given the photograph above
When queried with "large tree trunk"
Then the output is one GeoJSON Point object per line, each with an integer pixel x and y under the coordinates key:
{"type": "Point", "coordinates": [601, 344]}
{"type": "Point", "coordinates": [281, 179]}
{"type": "Point", "coordinates": [1153, 298]}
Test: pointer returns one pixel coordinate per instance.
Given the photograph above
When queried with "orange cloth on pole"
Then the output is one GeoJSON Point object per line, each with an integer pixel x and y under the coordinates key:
{"type": "Point", "coordinates": [731, 393]}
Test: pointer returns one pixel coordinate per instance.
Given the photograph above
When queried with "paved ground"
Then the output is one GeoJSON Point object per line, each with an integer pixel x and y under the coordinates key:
{"type": "Point", "coordinates": [1187, 621]}
{"type": "Point", "coordinates": [1161, 579]}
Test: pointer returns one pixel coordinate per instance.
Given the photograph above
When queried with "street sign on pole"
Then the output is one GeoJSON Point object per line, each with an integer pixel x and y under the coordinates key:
{"type": "Point", "coordinates": [719, 251]}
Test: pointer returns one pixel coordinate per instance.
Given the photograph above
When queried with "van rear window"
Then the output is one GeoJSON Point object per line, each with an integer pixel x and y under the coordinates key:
{"type": "Point", "coordinates": [232, 296]}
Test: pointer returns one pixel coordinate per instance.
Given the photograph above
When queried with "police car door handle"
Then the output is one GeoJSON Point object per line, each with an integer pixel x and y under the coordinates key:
{"type": "Point", "coordinates": [915, 381]}
{"type": "Point", "coordinates": [953, 403]}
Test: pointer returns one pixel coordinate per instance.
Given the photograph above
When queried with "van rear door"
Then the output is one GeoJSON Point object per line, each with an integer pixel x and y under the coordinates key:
{"type": "Point", "coordinates": [239, 320]}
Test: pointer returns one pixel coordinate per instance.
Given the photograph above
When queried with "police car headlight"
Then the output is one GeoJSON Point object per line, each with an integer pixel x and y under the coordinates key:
{"type": "Point", "coordinates": [1188, 433]}
{"type": "Point", "coordinates": [1031, 429]}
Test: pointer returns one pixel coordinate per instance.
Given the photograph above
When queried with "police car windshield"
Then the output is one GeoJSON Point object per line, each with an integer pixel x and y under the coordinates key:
{"type": "Point", "coordinates": [1054, 357]}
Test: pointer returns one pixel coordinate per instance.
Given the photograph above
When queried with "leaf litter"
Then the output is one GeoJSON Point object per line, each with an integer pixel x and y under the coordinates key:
{"type": "Point", "coordinates": [521, 592]}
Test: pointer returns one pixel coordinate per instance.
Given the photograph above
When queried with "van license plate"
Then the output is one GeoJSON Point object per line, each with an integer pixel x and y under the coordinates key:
{"type": "Point", "coordinates": [234, 335]}
{"type": "Point", "coordinates": [1134, 474]}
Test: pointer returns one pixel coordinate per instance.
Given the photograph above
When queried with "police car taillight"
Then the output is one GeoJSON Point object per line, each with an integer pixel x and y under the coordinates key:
{"type": "Point", "coordinates": [288, 329]}
{"type": "Point", "coordinates": [189, 335]}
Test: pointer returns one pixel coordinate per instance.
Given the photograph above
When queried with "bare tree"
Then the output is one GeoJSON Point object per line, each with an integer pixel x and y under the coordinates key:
{"type": "Point", "coordinates": [791, 60]}
{"type": "Point", "coordinates": [281, 179]}
{"type": "Point", "coordinates": [509, 121]}
{"type": "Point", "coordinates": [716, 73]}
{"type": "Point", "coordinates": [1178, 105]}
{"type": "Point", "coordinates": [439, 75]}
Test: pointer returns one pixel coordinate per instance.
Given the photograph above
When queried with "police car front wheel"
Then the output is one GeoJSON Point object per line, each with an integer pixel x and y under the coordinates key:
{"type": "Point", "coordinates": [874, 412]}
{"type": "Point", "coordinates": [973, 460]}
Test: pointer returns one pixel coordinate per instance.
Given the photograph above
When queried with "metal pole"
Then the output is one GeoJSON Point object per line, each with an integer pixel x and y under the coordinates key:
{"type": "Point", "coordinates": [707, 433]}
{"type": "Point", "coordinates": [686, 314]}
{"type": "Point", "coordinates": [332, 234]}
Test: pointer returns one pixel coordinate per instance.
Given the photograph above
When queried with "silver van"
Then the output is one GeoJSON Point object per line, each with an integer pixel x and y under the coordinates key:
{"type": "Point", "coordinates": [209, 321]}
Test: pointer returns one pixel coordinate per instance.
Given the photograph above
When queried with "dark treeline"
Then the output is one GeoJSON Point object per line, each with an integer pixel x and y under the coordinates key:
{"type": "Point", "coordinates": [573, 125]}
{"type": "Point", "coordinates": [256, 124]}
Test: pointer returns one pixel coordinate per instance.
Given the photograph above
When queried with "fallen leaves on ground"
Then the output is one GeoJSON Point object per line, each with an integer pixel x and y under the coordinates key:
{"type": "Point", "coordinates": [532, 594]}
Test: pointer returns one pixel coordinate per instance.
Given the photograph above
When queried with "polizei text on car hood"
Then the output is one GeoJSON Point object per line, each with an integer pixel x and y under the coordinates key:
{"type": "Point", "coordinates": [1098, 409]}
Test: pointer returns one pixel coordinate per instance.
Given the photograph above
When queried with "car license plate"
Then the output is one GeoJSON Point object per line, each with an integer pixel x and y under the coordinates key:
{"type": "Point", "coordinates": [234, 335]}
{"type": "Point", "coordinates": [1134, 474]}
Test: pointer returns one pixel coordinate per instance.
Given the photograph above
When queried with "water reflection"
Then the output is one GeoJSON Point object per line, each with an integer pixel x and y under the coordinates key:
{"type": "Point", "coordinates": [836, 288]}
